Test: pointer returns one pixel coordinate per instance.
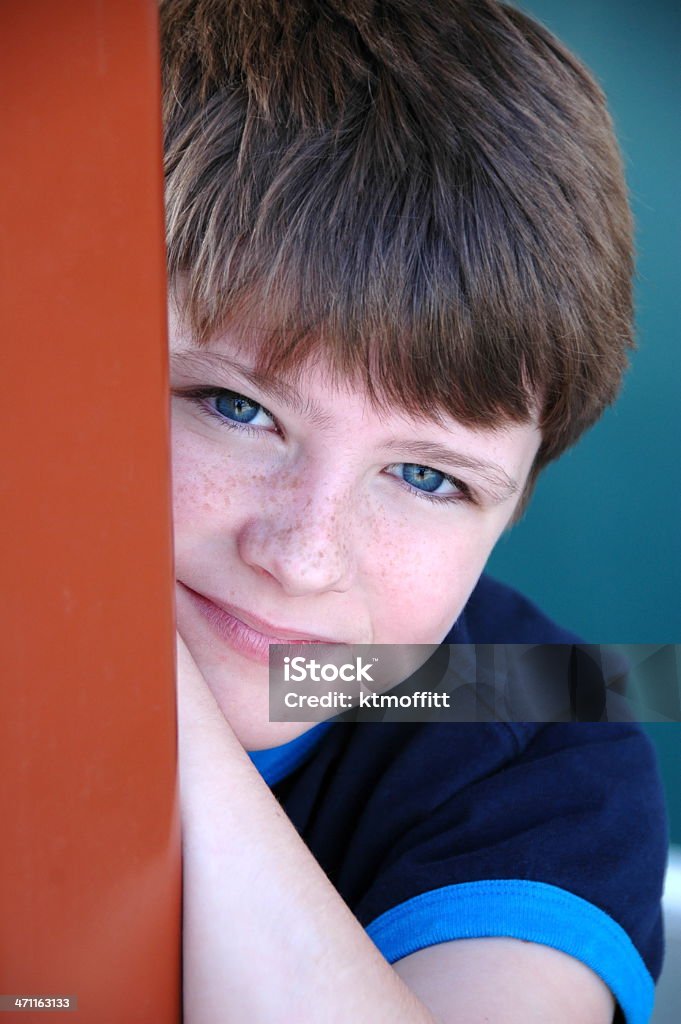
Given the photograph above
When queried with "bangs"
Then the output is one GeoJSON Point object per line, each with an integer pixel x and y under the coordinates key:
{"type": "Point", "coordinates": [454, 237]}
{"type": "Point", "coordinates": [396, 289]}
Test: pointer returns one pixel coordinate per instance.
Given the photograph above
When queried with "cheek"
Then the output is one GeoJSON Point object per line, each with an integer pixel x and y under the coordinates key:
{"type": "Point", "coordinates": [201, 486]}
{"type": "Point", "coordinates": [421, 579]}
{"type": "Point", "coordinates": [216, 492]}
{"type": "Point", "coordinates": [210, 490]}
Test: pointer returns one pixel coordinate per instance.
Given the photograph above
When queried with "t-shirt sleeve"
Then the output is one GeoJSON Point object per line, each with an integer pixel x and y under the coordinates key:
{"type": "Point", "coordinates": [564, 844]}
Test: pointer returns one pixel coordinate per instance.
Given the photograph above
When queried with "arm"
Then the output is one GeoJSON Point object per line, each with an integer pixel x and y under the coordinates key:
{"type": "Point", "coordinates": [267, 938]}
{"type": "Point", "coordinates": [505, 981]}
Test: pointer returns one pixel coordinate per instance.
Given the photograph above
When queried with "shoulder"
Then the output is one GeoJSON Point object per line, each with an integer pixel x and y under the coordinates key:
{"type": "Point", "coordinates": [496, 613]}
{"type": "Point", "coordinates": [561, 842]}
{"type": "Point", "coordinates": [551, 834]}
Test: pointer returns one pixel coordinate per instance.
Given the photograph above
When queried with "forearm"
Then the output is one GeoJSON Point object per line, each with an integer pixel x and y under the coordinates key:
{"type": "Point", "coordinates": [266, 937]}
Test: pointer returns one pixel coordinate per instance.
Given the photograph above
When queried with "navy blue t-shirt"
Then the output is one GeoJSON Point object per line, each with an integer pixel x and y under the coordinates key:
{"type": "Point", "coordinates": [552, 833]}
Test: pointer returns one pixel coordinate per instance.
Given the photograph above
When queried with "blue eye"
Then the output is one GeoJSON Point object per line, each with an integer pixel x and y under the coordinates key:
{"type": "Point", "coordinates": [422, 477]}
{"type": "Point", "coordinates": [431, 484]}
{"type": "Point", "coordinates": [229, 408]}
{"type": "Point", "coordinates": [236, 407]}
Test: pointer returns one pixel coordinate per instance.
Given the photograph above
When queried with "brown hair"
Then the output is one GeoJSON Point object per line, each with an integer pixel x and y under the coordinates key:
{"type": "Point", "coordinates": [427, 196]}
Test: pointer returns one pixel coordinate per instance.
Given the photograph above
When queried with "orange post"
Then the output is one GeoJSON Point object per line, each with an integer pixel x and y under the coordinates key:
{"type": "Point", "coordinates": [89, 832]}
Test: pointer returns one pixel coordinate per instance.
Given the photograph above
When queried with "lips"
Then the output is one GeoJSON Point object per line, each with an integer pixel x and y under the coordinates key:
{"type": "Point", "coordinates": [281, 634]}
{"type": "Point", "coordinates": [268, 630]}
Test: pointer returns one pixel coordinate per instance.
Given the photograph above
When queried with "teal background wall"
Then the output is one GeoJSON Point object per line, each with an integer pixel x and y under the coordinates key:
{"type": "Point", "coordinates": [600, 547]}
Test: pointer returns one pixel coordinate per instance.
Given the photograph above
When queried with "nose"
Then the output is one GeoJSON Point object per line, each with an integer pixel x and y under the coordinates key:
{"type": "Point", "coordinates": [304, 545]}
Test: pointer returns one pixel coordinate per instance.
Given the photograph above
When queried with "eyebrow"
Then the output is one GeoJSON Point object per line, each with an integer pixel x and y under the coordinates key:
{"type": "Point", "coordinates": [287, 394]}
{"type": "Point", "coordinates": [497, 482]}
{"type": "Point", "coordinates": [500, 485]}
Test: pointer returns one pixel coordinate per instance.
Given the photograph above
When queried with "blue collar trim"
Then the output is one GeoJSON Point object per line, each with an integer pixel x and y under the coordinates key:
{"type": "Point", "coordinates": [276, 763]}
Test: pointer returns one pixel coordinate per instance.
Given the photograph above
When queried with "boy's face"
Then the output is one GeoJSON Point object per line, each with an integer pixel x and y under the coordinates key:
{"type": "Point", "coordinates": [320, 517]}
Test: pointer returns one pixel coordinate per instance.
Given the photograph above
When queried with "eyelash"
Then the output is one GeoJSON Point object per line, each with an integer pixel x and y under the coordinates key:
{"type": "Point", "coordinates": [198, 396]}
{"type": "Point", "coordinates": [465, 495]}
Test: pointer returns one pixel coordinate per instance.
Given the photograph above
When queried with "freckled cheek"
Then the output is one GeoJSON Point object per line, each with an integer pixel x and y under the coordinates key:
{"type": "Point", "coordinates": [209, 487]}
{"type": "Point", "coordinates": [420, 581]}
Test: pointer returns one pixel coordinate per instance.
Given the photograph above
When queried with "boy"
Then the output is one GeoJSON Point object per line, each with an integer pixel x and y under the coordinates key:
{"type": "Point", "coordinates": [399, 253]}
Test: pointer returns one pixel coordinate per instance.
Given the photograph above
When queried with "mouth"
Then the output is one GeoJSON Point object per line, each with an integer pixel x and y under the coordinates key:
{"type": "Point", "coordinates": [247, 633]}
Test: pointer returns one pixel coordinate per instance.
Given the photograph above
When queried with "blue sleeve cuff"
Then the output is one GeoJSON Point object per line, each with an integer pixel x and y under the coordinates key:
{"type": "Point", "coordinates": [521, 909]}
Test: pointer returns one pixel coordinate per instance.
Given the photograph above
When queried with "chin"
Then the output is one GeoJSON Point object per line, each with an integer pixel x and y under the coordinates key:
{"type": "Point", "coordinates": [248, 716]}
{"type": "Point", "coordinates": [261, 735]}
